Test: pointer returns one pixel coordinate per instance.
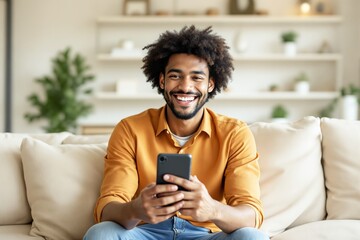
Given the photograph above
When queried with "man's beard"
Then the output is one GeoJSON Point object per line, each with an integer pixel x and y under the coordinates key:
{"type": "Point", "coordinates": [185, 116]}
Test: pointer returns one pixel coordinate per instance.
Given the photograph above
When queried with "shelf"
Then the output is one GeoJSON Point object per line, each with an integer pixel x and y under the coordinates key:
{"type": "Point", "coordinates": [219, 19]}
{"type": "Point", "coordinates": [229, 96]}
{"type": "Point", "coordinates": [109, 57]}
{"type": "Point", "coordinates": [238, 57]}
{"type": "Point", "coordinates": [282, 57]}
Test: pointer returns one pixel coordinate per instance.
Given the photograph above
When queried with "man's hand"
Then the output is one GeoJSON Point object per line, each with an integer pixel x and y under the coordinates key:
{"type": "Point", "coordinates": [197, 201]}
{"type": "Point", "coordinates": [157, 203]}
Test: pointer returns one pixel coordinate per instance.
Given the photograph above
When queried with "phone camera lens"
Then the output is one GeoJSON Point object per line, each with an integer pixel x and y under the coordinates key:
{"type": "Point", "coordinates": [163, 159]}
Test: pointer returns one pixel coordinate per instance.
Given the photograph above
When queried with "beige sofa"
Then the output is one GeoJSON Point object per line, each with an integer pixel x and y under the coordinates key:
{"type": "Point", "coordinates": [310, 181]}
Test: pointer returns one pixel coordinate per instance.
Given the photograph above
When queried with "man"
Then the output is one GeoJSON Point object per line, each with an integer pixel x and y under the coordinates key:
{"type": "Point", "coordinates": [222, 198]}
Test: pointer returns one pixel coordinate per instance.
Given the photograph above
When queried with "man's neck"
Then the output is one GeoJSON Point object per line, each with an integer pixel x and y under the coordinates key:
{"type": "Point", "coordinates": [182, 127]}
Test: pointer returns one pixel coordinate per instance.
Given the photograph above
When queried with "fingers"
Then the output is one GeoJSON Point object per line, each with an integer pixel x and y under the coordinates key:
{"type": "Point", "coordinates": [190, 185]}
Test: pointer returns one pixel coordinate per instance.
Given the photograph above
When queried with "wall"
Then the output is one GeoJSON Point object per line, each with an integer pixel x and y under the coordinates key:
{"type": "Point", "coordinates": [2, 65]}
{"type": "Point", "coordinates": [350, 44]}
{"type": "Point", "coordinates": [42, 28]}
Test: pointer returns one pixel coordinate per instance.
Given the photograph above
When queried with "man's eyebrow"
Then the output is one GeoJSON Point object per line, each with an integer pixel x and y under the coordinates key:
{"type": "Point", "coordinates": [174, 70]}
{"type": "Point", "coordinates": [179, 71]}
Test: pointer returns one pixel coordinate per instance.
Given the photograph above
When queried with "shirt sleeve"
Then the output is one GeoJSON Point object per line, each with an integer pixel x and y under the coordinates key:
{"type": "Point", "coordinates": [242, 174]}
{"type": "Point", "coordinates": [120, 176]}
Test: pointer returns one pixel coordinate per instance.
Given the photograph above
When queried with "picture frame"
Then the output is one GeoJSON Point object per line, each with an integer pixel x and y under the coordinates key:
{"type": "Point", "coordinates": [136, 7]}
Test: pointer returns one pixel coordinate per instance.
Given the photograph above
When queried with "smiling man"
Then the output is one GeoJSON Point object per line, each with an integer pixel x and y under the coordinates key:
{"type": "Point", "coordinates": [221, 199]}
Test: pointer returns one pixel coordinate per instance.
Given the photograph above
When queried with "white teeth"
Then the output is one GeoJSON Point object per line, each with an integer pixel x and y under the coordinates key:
{"type": "Point", "coordinates": [186, 98]}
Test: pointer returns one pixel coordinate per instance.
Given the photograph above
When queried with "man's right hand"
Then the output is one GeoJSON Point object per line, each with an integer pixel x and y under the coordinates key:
{"type": "Point", "coordinates": [156, 203]}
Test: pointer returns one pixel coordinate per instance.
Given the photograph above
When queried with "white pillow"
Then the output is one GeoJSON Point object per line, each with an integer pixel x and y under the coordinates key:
{"type": "Point", "coordinates": [292, 184]}
{"type": "Point", "coordinates": [14, 208]}
{"type": "Point", "coordinates": [62, 184]}
{"type": "Point", "coordinates": [86, 139]}
{"type": "Point", "coordinates": [341, 153]}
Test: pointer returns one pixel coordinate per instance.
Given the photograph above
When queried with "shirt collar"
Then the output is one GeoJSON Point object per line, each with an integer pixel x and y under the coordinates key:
{"type": "Point", "coordinates": [205, 125]}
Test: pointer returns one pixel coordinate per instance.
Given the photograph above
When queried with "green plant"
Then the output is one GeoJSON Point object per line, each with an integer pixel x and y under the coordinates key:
{"type": "Point", "coordinates": [302, 77]}
{"type": "Point", "coordinates": [61, 105]}
{"type": "Point", "coordinates": [289, 36]}
{"type": "Point", "coordinates": [350, 90]}
{"type": "Point", "coordinates": [346, 90]}
{"type": "Point", "coordinates": [279, 111]}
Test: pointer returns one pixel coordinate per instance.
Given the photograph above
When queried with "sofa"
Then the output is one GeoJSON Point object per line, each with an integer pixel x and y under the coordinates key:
{"type": "Point", "coordinates": [310, 175]}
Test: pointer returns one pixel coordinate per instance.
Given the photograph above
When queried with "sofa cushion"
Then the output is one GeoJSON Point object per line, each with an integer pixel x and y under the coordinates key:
{"type": "Point", "coordinates": [323, 230]}
{"type": "Point", "coordinates": [62, 183]}
{"type": "Point", "coordinates": [292, 182]}
{"type": "Point", "coordinates": [14, 208]}
{"type": "Point", "coordinates": [341, 156]}
{"type": "Point", "coordinates": [86, 139]}
{"type": "Point", "coordinates": [17, 232]}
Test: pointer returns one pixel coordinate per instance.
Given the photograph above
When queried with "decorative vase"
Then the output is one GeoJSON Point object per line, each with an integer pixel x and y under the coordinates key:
{"type": "Point", "coordinates": [240, 43]}
{"type": "Point", "coordinates": [302, 87]}
{"type": "Point", "coordinates": [279, 120]}
{"type": "Point", "coordinates": [290, 48]}
{"type": "Point", "coordinates": [349, 107]}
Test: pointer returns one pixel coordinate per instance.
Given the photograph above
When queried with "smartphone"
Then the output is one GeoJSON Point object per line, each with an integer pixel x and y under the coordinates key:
{"type": "Point", "coordinates": [175, 164]}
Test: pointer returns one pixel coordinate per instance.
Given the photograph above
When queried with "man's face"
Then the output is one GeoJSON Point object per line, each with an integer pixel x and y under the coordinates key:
{"type": "Point", "coordinates": [186, 85]}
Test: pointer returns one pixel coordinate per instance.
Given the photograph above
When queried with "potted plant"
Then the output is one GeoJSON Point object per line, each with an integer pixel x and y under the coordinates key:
{"type": "Point", "coordinates": [279, 114]}
{"type": "Point", "coordinates": [61, 104]}
{"type": "Point", "coordinates": [289, 42]}
{"type": "Point", "coordinates": [302, 83]}
{"type": "Point", "coordinates": [348, 102]}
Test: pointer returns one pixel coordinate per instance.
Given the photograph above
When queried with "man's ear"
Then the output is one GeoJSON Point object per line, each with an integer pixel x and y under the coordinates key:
{"type": "Point", "coordinates": [162, 81]}
{"type": "Point", "coordinates": [211, 84]}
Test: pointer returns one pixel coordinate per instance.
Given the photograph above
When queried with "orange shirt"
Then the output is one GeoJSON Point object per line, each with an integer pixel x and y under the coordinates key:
{"type": "Point", "coordinates": [224, 158]}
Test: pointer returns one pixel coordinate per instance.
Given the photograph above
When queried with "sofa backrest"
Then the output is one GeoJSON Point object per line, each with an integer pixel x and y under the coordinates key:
{"type": "Point", "coordinates": [292, 181]}
{"type": "Point", "coordinates": [341, 156]}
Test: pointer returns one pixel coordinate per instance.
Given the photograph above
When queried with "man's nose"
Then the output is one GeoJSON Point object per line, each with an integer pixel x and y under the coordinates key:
{"type": "Point", "coordinates": [186, 84]}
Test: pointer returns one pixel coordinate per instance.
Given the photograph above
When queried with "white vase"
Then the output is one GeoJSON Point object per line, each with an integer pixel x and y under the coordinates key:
{"type": "Point", "coordinates": [290, 48]}
{"type": "Point", "coordinates": [241, 44]}
{"type": "Point", "coordinates": [302, 87]}
{"type": "Point", "coordinates": [349, 107]}
{"type": "Point", "coordinates": [279, 120]}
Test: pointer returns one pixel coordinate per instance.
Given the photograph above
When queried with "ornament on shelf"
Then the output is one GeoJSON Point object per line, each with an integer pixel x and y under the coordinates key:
{"type": "Point", "coordinates": [241, 44]}
{"type": "Point", "coordinates": [325, 47]}
{"type": "Point", "coordinates": [238, 7]}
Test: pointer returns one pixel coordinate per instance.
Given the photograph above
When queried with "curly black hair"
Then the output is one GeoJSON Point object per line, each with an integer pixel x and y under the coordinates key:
{"type": "Point", "coordinates": [201, 43]}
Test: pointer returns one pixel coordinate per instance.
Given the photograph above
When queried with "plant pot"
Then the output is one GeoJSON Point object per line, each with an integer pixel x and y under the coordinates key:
{"type": "Point", "coordinates": [349, 107]}
{"type": "Point", "coordinates": [241, 44]}
{"type": "Point", "coordinates": [279, 120]}
{"type": "Point", "coordinates": [290, 48]}
{"type": "Point", "coordinates": [302, 87]}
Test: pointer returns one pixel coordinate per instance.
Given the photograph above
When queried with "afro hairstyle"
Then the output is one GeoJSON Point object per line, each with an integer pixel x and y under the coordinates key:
{"type": "Point", "coordinates": [201, 43]}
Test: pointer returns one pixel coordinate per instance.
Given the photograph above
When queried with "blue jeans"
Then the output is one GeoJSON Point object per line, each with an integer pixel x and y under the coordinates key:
{"type": "Point", "coordinates": [173, 228]}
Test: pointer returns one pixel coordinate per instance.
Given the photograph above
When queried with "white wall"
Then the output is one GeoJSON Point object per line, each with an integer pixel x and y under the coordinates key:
{"type": "Point", "coordinates": [42, 28]}
{"type": "Point", "coordinates": [350, 43]}
{"type": "Point", "coordinates": [2, 65]}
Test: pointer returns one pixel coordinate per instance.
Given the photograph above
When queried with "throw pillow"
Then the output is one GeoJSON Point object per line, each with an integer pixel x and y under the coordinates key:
{"type": "Point", "coordinates": [62, 184]}
{"type": "Point", "coordinates": [14, 208]}
{"type": "Point", "coordinates": [341, 153]}
{"type": "Point", "coordinates": [292, 182]}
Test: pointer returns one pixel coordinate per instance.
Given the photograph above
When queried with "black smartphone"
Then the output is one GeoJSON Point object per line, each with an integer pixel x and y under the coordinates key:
{"type": "Point", "coordinates": [175, 164]}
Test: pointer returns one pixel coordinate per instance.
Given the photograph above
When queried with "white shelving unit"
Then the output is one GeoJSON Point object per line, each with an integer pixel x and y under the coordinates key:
{"type": "Point", "coordinates": [334, 59]}
{"type": "Point", "coordinates": [226, 19]}
{"type": "Point", "coordinates": [228, 96]}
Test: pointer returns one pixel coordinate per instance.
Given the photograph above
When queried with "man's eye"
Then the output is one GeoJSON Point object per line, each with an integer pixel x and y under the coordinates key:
{"type": "Point", "coordinates": [198, 78]}
{"type": "Point", "coordinates": [174, 76]}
